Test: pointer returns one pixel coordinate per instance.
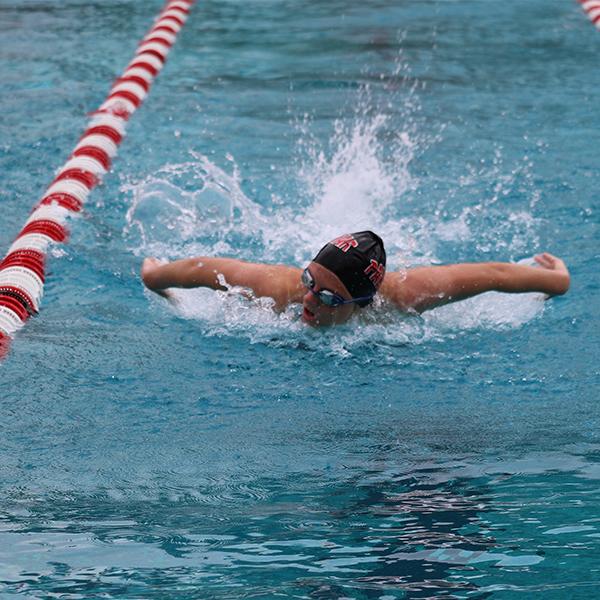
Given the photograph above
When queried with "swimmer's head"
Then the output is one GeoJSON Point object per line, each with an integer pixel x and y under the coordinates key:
{"type": "Point", "coordinates": [348, 271]}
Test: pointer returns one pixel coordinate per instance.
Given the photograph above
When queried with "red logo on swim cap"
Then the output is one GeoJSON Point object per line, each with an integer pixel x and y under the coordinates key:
{"type": "Point", "coordinates": [344, 242]}
{"type": "Point", "coordinates": [375, 272]}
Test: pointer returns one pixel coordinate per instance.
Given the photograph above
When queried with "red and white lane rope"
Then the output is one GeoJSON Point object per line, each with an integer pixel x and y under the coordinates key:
{"type": "Point", "coordinates": [592, 8]}
{"type": "Point", "coordinates": [22, 271]}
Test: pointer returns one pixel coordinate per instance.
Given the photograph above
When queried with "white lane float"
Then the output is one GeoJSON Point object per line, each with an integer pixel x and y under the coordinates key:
{"type": "Point", "coordinates": [22, 270]}
{"type": "Point", "coordinates": [592, 9]}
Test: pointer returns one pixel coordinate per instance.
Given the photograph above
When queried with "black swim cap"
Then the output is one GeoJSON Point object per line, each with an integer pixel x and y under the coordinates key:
{"type": "Point", "coordinates": [358, 259]}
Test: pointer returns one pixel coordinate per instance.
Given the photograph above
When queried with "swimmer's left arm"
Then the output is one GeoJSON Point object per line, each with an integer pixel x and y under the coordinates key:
{"type": "Point", "coordinates": [423, 288]}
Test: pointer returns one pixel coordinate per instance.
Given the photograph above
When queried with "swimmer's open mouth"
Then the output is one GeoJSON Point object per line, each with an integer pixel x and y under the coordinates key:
{"type": "Point", "coordinates": [308, 316]}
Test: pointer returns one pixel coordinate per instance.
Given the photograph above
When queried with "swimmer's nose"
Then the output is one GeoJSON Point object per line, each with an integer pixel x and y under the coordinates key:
{"type": "Point", "coordinates": [311, 299]}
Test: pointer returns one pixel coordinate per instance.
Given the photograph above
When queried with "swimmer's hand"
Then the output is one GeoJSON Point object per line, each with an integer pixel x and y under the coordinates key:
{"type": "Point", "coordinates": [562, 278]}
{"type": "Point", "coordinates": [549, 261]}
{"type": "Point", "coordinates": [149, 270]}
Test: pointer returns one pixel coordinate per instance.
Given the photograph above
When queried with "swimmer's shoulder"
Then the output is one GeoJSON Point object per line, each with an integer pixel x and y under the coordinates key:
{"type": "Point", "coordinates": [284, 283]}
{"type": "Point", "coordinates": [396, 288]}
{"type": "Point", "coordinates": [291, 282]}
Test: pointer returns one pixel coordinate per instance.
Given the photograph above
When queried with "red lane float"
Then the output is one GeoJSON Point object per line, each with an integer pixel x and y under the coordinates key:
{"type": "Point", "coordinates": [592, 9]}
{"type": "Point", "coordinates": [22, 270]}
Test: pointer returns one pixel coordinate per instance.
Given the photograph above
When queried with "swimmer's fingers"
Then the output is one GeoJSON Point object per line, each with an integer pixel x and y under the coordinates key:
{"type": "Point", "coordinates": [561, 279]}
{"type": "Point", "coordinates": [149, 265]}
{"type": "Point", "coordinates": [544, 260]}
{"type": "Point", "coordinates": [548, 261]}
{"type": "Point", "coordinates": [149, 269]}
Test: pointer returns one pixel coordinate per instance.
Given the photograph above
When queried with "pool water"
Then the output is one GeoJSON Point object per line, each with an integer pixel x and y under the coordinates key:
{"type": "Point", "coordinates": [218, 450]}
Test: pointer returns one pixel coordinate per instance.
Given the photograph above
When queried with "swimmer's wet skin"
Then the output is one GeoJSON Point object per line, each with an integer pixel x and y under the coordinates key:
{"type": "Point", "coordinates": [347, 273]}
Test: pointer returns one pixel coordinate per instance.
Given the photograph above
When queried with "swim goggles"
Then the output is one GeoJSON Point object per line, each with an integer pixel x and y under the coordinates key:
{"type": "Point", "coordinates": [327, 297]}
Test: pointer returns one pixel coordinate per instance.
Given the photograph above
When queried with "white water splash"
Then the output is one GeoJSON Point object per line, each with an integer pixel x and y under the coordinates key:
{"type": "Point", "coordinates": [188, 209]}
{"type": "Point", "coordinates": [353, 186]}
{"type": "Point", "coordinates": [352, 182]}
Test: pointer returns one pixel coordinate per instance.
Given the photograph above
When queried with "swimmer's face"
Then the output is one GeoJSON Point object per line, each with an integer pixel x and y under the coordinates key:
{"type": "Point", "coordinates": [316, 313]}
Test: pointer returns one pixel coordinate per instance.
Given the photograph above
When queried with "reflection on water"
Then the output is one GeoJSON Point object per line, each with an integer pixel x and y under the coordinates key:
{"type": "Point", "coordinates": [385, 540]}
{"type": "Point", "coordinates": [407, 536]}
{"type": "Point", "coordinates": [421, 533]}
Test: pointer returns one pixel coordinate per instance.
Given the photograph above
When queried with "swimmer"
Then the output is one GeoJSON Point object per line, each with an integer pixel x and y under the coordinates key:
{"type": "Point", "coordinates": [347, 273]}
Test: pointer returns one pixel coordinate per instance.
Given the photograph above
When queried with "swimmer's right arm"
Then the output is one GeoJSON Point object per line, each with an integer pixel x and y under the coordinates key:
{"type": "Point", "coordinates": [279, 282]}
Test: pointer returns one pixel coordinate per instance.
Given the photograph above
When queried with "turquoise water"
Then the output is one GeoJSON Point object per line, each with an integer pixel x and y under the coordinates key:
{"type": "Point", "coordinates": [219, 451]}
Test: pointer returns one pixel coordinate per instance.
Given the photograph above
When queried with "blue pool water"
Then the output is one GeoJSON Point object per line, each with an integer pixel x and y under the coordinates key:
{"type": "Point", "coordinates": [220, 451]}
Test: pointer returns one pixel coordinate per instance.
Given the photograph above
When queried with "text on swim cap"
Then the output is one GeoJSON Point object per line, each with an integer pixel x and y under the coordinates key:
{"type": "Point", "coordinates": [375, 271]}
{"type": "Point", "coordinates": [345, 242]}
